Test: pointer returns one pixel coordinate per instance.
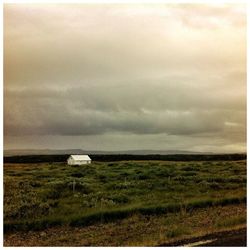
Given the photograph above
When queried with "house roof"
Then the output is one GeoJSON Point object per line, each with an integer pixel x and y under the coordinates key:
{"type": "Point", "coordinates": [80, 157]}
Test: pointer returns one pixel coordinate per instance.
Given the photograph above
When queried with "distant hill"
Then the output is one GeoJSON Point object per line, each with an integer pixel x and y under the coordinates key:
{"type": "Point", "coordinates": [14, 152]}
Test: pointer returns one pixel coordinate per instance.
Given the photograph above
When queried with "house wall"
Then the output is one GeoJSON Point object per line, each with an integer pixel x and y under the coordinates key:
{"type": "Point", "coordinates": [73, 162]}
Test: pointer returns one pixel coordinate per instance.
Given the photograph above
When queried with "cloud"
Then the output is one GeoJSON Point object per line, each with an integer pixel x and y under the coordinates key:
{"type": "Point", "coordinates": [61, 44]}
{"type": "Point", "coordinates": [176, 70]}
{"type": "Point", "coordinates": [211, 16]}
{"type": "Point", "coordinates": [150, 109]}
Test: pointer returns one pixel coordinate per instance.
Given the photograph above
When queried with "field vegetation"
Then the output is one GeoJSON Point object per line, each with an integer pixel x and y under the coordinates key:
{"type": "Point", "coordinates": [40, 196]}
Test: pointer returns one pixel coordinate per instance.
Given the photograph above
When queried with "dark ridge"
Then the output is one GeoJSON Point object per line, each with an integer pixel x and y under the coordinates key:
{"type": "Point", "coordinates": [125, 157]}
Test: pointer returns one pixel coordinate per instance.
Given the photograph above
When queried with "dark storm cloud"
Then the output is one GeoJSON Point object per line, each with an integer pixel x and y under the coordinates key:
{"type": "Point", "coordinates": [174, 71]}
{"type": "Point", "coordinates": [147, 109]}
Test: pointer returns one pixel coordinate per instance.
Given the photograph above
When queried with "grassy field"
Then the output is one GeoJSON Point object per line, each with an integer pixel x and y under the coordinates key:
{"type": "Point", "coordinates": [44, 196]}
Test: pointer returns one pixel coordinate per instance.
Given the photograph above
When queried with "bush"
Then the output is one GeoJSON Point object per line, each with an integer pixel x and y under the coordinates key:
{"type": "Point", "coordinates": [119, 198]}
{"type": "Point", "coordinates": [177, 231]}
{"type": "Point", "coordinates": [188, 168]}
{"type": "Point", "coordinates": [143, 176]}
{"type": "Point", "coordinates": [102, 178]}
{"type": "Point", "coordinates": [56, 190]}
{"type": "Point", "coordinates": [190, 173]}
{"type": "Point", "coordinates": [83, 188]}
{"type": "Point", "coordinates": [77, 174]}
{"type": "Point", "coordinates": [215, 186]}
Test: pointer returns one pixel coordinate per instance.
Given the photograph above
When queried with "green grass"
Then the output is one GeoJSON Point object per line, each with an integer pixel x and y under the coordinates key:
{"type": "Point", "coordinates": [37, 196]}
{"type": "Point", "coordinates": [116, 214]}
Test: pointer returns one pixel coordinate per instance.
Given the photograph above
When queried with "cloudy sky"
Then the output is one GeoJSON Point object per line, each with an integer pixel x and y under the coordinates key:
{"type": "Point", "coordinates": [118, 77]}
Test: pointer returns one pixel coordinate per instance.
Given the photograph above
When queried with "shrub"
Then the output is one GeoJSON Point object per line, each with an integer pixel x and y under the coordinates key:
{"type": "Point", "coordinates": [82, 187]}
{"type": "Point", "coordinates": [188, 168]}
{"type": "Point", "coordinates": [190, 173]}
{"type": "Point", "coordinates": [35, 184]}
{"type": "Point", "coordinates": [102, 178]}
{"type": "Point", "coordinates": [177, 231]}
{"type": "Point", "coordinates": [119, 198]}
{"type": "Point", "coordinates": [143, 176]}
{"type": "Point", "coordinates": [215, 186]}
{"type": "Point", "coordinates": [77, 174]}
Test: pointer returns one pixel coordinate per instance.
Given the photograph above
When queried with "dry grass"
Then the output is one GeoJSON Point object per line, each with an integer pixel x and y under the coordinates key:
{"type": "Point", "coordinates": [137, 230]}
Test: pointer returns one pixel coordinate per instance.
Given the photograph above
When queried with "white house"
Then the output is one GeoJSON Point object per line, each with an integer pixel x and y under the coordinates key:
{"type": "Point", "coordinates": [79, 160]}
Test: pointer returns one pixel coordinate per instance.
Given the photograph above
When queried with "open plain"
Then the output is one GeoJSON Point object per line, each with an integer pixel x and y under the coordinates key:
{"type": "Point", "coordinates": [125, 203]}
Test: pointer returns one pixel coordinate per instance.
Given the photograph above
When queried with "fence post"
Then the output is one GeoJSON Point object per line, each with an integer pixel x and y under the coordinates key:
{"type": "Point", "coordinates": [74, 184]}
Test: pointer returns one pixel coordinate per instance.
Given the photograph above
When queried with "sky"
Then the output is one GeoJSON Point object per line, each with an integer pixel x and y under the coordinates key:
{"type": "Point", "coordinates": [125, 76]}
